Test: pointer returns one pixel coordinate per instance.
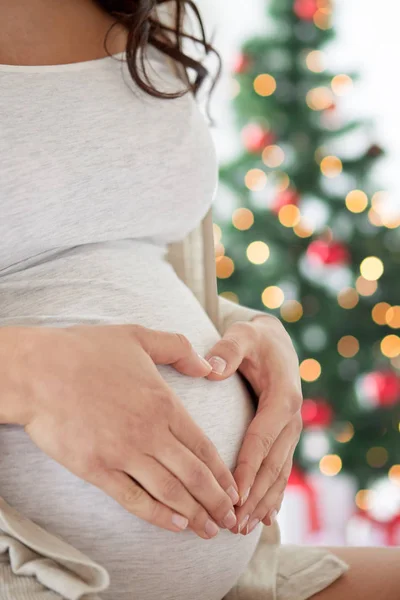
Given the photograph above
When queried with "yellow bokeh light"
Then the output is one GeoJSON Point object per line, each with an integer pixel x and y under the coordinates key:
{"type": "Point", "coordinates": [230, 296]}
{"type": "Point", "coordinates": [379, 199]}
{"type": "Point", "coordinates": [331, 166]}
{"type": "Point", "coordinates": [273, 156]}
{"type": "Point", "coordinates": [282, 181]}
{"type": "Point", "coordinates": [217, 233]}
{"type": "Point", "coordinates": [219, 251]}
{"type": "Point", "coordinates": [292, 311]}
{"type": "Point", "coordinates": [377, 456]}
{"type": "Point", "coordinates": [322, 19]}
{"type": "Point", "coordinates": [394, 474]}
{"type": "Point", "coordinates": [348, 346]}
{"type": "Point", "coordinates": [363, 499]}
{"type": "Point", "coordinates": [348, 298]}
{"type": "Point", "coordinates": [302, 231]}
{"type": "Point", "coordinates": [258, 252]}
{"type": "Point", "coordinates": [393, 317]}
{"type": "Point", "coordinates": [255, 180]}
{"type": "Point", "coordinates": [390, 346]}
{"type": "Point", "coordinates": [356, 201]}
{"type": "Point", "coordinates": [371, 268]}
{"type": "Point", "coordinates": [345, 434]}
{"type": "Point", "coordinates": [273, 297]}
{"type": "Point", "coordinates": [310, 369]}
{"type": "Point", "coordinates": [265, 84]}
{"type": "Point", "coordinates": [391, 222]}
{"type": "Point", "coordinates": [225, 267]}
{"type": "Point", "coordinates": [341, 84]}
{"type": "Point", "coordinates": [379, 313]}
{"type": "Point", "coordinates": [365, 287]}
{"type": "Point", "coordinates": [242, 218]}
{"type": "Point", "coordinates": [289, 215]}
{"type": "Point", "coordinates": [374, 218]}
{"type": "Point", "coordinates": [331, 465]}
{"type": "Point", "coordinates": [315, 61]}
{"type": "Point", "coordinates": [319, 98]}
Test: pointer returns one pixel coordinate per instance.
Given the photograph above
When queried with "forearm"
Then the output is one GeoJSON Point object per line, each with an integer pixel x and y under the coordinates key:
{"type": "Point", "coordinates": [13, 397]}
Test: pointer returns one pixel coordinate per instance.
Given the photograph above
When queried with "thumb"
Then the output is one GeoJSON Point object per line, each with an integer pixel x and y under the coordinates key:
{"type": "Point", "coordinates": [227, 354]}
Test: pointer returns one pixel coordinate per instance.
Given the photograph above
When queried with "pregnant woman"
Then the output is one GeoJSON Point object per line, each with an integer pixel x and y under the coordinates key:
{"type": "Point", "coordinates": [147, 430]}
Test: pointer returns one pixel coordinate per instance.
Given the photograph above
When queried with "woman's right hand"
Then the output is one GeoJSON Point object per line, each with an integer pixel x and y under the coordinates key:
{"type": "Point", "coordinates": [92, 399]}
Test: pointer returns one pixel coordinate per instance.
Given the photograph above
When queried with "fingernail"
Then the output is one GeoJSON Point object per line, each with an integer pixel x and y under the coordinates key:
{"type": "Point", "coordinates": [204, 361]}
{"type": "Point", "coordinates": [252, 524]}
{"type": "Point", "coordinates": [180, 521]}
{"type": "Point", "coordinates": [230, 520]}
{"type": "Point", "coordinates": [273, 516]}
{"type": "Point", "coordinates": [218, 364]}
{"type": "Point", "coordinates": [244, 498]}
{"type": "Point", "coordinates": [243, 523]}
{"type": "Point", "coordinates": [233, 495]}
{"type": "Point", "coordinates": [211, 528]}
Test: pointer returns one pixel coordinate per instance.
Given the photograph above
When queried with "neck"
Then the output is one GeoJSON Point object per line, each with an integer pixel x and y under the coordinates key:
{"type": "Point", "coordinates": [35, 32]}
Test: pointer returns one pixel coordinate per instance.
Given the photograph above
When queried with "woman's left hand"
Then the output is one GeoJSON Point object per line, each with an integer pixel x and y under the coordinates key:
{"type": "Point", "coordinates": [263, 352]}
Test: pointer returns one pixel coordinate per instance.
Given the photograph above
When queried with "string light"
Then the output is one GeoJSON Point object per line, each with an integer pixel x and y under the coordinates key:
{"type": "Point", "coordinates": [379, 313]}
{"type": "Point", "coordinates": [393, 317]}
{"type": "Point", "coordinates": [258, 252]}
{"type": "Point", "coordinates": [341, 84]}
{"type": "Point", "coordinates": [365, 287]}
{"type": "Point", "coordinates": [390, 346]}
{"type": "Point", "coordinates": [319, 98]}
{"type": "Point", "coordinates": [331, 166]}
{"type": "Point", "coordinates": [273, 297]}
{"type": "Point", "coordinates": [348, 346]}
{"type": "Point", "coordinates": [225, 267]}
{"type": "Point", "coordinates": [255, 180]}
{"type": "Point", "coordinates": [242, 218]}
{"type": "Point", "coordinates": [371, 268]}
{"type": "Point", "coordinates": [292, 311]}
{"type": "Point", "coordinates": [348, 298]}
{"type": "Point", "coordinates": [315, 61]}
{"type": "Point", "coordinates": [230, 296]}
{"type": "Point", "coordinates": [217, 233]}
{"type": "Point", "coordinates": [289, 215]}
{"type": "Point", "coordinates": [377, 456]}
{"type": "Point", "coordinates": [310, 369]}
{"type": "Point", "coordinates": [345, 434]}
{"type": "Point", "coordinates": [330, 465]}
{"type": "Point", "coordinates": [265, 84]}
{"type": "Point", "coordinates": [273, 156]}
{"type": "Point", "coordinates": [356, 201]}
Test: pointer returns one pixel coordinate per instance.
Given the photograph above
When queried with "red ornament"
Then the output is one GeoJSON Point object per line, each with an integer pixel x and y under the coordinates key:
{"type": "Point", "coordinates": [289, 196]}
{"type": "Point", "coordinates": [382, 388]}
{"type": "Point", "coordinates": [256, 138]}
{"type": "Point", "coordinates": [327, 253]}
{"type": "Point", "coordinates": [305, 9]}
{"type": "Point", "coordinates": [241, 63]}
{"type": "Point", "coordinates": [316, 413]}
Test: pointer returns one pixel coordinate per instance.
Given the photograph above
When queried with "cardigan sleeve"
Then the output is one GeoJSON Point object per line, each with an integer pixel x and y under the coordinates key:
{"type": "Point", "coordinates": [231, 312]}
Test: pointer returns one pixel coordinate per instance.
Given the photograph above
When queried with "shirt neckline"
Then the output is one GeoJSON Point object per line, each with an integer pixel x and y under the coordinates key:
{"type": "Point", "coordinates": [75, 66]}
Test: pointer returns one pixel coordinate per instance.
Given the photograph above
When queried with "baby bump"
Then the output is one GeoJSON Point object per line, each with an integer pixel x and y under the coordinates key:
{"type": "Point", "coordinates": [144, 562]}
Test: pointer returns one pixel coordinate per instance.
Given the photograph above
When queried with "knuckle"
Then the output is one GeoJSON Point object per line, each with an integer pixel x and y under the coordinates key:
{"type": "Point", "coordinates": [198, 477]}
{"type": "Point", "coordinates": [231, 345]}
{"type": "Point", "coordinates": [184, 342]}
{"type": "Point", "coordinates": [294, 401]}
{"type": "Point", "coordinates": [172, 489]}
{"type": "Point", "coordinates": [263, 441]}
{"type": "Point", "coordinates": [204, 450]}
{"type": "Point", "coordinates": [283, 481]}
{"type": "Point", "coordinates": [273, 470]}
{"type": "Point", "coordinates": [133, 496]}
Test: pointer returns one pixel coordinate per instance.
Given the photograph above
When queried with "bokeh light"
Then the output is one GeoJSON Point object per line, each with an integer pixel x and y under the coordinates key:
{"type": "Point", "coordinates": [330, 465]}
{"type": "Point", "coordinates": [282, 181]}
{"type": "Point", "coordinates": [303, 231]}
{"type": "Point", "coordinates": [310, 369]}
{"type": "Point", "coordinates": [344, 433]}
{"type": "Point", "coordinates": [331, 166]}
{"type": "Point", "coordinates": [291, 311]}
{"type": "Point", "coordinates": [393, 317]}
{"type": "Point", "coordinates": [356, 201]}
{"type": "Point", "coordinates": [371, 268]}
{"type": "Point", "coordinates": [319, 98]}
{"type": "Point", "coordinates": [258, 252]}
{"type": "Point", "coordinates": [273, 296]}
{"type": "Point", "coordinates": [255, 180]}
{"type": "Point", "coordinates": [348, 298]}
{"type": "Point", "coordinates": [217, 233]}
{"type": "Point", "coordinates": [379, 313]}
{"type": "Point", "coordinates": [242, 218]}
{"type": "Point", "coordinates": [322, 19]}
{"type": "Point", "coordinates": [225, 267]}
{"type": "Point", "coordinates": [390, 346]}
{"type": "Point", "coordinates": [265, 84]}
{"type": "Point", "coordinates": [377, 456]}
{"type": "Point", "coordinates": [315, 61]}
{"type": "Point", "coordinates": [363, 499]}
{"type": "Point", "coordinates": [365, 287]}
{"type": "Point", "coordinates": [348, 346]}
{"type": "Point", "coordinates": [341, 84]}
{"type": "Point", "coordinates": [289, 215]}
{"type": "Point", "coordinates": [273, 156]}
{"type": "Point", "coordinates": [394, 474]}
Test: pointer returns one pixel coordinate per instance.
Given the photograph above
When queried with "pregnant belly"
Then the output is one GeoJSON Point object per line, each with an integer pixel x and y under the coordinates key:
{"type": "Point", "coordinates": [144, 562]}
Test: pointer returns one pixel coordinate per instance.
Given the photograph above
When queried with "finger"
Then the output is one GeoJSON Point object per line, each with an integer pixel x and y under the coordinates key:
{"type": "Point", "coordinates": [137, 501]}
{"type": "Point", "coordinates": [186, 430]}
{"type": "Point", "coordinates": [270, 471]}
{"type": "Point", "coordinates": [173, 349]}
{"type": "Point", "coordinates": [198, 480]}
{"type": "Point", "coordinates": [166, 488]}
{"type": "Point", "coordinates": [228, 353]}
{"type": "Point", "coordinates": [271, 418]}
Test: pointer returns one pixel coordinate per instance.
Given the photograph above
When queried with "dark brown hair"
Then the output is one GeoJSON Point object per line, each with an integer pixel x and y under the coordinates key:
{"type": "Point", "coordinates": [144, 27]}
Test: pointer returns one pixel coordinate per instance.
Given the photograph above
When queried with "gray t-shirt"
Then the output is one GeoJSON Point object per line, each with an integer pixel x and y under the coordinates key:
{"type": "Point", "coordinates": [96, 177]}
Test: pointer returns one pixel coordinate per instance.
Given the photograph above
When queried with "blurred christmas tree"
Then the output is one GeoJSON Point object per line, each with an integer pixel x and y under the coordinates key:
{"type": "Point", "coordinates": [312, 241]}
